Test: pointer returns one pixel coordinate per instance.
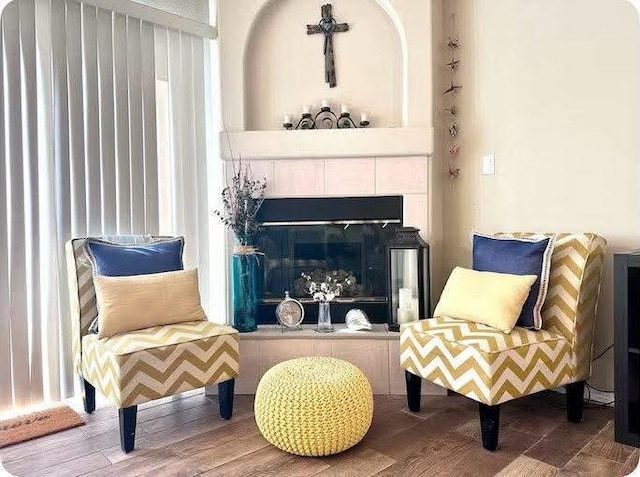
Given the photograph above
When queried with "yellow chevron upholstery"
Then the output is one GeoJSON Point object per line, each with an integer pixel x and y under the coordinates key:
{"type": "Point", "coordinates": [135, 367]}
{"type": "Point", "coordinates": [82, 295]}
{"type": "Point", "coordinates": [140, 366]}
{"type": "Point", "coordinates": [574, 287]}
{"type": "Point", "coordinates": [486, 365]}
{"type": "Point", "coordinates": [483, 363]}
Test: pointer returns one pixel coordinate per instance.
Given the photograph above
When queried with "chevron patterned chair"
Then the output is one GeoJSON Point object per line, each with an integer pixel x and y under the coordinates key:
{"type": "Point", "coordinates": [140, 366]}
{"type": "Point", "coordinates": [491, 367]}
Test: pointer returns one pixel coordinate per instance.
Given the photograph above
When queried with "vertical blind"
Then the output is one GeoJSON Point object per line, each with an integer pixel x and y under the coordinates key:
{"type": "Point", "coordinates": [102, 130]}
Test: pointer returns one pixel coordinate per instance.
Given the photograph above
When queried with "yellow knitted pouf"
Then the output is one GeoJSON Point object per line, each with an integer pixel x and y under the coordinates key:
{"type": "Point", "coordinates": [314, 406]}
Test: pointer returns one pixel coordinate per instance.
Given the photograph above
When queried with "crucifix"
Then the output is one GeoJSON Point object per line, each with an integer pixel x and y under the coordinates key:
{"type": "Point", "coordinates": [328, 26]}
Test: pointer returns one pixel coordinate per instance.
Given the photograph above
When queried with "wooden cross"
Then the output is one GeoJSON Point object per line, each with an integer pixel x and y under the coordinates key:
{"type": "Point", "coordinates": [328, 26]}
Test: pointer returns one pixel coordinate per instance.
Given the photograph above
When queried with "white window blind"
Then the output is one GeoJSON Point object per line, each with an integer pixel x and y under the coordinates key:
{"type": "Point", "coordinates": [103, 128]}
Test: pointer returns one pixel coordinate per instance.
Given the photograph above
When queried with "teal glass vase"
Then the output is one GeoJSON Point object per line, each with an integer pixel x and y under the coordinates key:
{"type": "Point", "coordinates": [247, 275]}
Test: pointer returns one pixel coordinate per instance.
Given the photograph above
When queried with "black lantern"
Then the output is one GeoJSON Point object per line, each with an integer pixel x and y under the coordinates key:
{"type": "Point", "coordinates": [409, 283]}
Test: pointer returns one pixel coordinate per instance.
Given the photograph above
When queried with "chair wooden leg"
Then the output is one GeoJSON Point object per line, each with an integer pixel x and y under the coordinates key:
{"type": "Point", "coordinates": [414, 383]}
{"type": "Point", "coordinates": [128, 416]}
{"type": "Point", "coordinates": [88, 395]}
{"type": "Point", "coordinates": [575, 401]}
{"type": "Point", "coordinates": [225, 397]}
{"type": "Point", "coordinates": [489, 425]}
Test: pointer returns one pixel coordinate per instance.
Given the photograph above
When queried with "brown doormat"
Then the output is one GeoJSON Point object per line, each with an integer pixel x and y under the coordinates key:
{"type": "Point", "coordinates": [38, 424]}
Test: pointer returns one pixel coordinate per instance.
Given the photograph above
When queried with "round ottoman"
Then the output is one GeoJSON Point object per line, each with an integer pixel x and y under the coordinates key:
{"type": "Point", "coordinates": [314, 406]}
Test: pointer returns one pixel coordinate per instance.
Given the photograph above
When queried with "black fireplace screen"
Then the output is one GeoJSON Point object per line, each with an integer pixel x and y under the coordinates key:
{"type": "Point", "coordinates": [346, 238]}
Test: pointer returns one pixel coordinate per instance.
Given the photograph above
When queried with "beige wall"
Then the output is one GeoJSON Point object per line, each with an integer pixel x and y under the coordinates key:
{"type": "Point", "coordinates": [552, 87]}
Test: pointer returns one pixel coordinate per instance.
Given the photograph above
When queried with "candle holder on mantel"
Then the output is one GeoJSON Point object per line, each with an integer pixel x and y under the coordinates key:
{"type": "Point", "coordinates": [325, 119]}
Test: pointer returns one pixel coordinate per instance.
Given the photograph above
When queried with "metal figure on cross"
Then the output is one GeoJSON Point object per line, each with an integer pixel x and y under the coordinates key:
{"type": "Point", "coordinates": [328, 26]}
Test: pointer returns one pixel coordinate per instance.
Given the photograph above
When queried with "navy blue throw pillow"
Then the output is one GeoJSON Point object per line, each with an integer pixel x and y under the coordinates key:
{"type": "Point", "coordinates": [518, 257]}
{"type": "Point", "coordinates": [115, 260]}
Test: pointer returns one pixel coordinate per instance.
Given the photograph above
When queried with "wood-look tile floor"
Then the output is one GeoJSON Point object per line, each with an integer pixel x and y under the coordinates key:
{"type": "Point", "coordinates": [185, 436]}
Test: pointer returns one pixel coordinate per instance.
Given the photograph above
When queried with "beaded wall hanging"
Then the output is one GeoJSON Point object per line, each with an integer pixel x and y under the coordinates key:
{"type": "Point", "coordinates": [453, 128]}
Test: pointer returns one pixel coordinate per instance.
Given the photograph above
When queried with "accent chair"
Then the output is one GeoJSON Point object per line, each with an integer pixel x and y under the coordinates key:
{"type": "Point", "coordinates": [139, 366]}
{"type": "Point", "coordinates": [492, 367]}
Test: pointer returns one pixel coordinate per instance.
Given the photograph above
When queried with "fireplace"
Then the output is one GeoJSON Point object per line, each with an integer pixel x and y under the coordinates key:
{"type": "Point", "coordinates": [346, 236]}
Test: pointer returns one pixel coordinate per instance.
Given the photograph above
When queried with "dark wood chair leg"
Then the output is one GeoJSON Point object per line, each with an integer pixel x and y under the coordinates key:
{"type": "Point", "coordinates": [414, 383]}
{"type": "Point", "coordinates": [575, 401]}
{"type": "Point", "coordinates": [88, 395]}
{"type": "Point", "coordinates": [225, 397]}
{"type": "Point", "coordinates": [489, 425]}
{"type": "Point", "coordinates": [128, 417]}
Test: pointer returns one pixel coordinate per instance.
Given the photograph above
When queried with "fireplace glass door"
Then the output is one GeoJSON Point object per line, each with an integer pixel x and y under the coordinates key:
{"type": "Point", "coordinates": [343, 237]}
{"type": "Point", "coordinates": [354, 253]}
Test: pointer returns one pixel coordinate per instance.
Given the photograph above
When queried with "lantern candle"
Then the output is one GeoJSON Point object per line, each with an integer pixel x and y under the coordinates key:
{"type": "Point", "coordinates": [408, 261]}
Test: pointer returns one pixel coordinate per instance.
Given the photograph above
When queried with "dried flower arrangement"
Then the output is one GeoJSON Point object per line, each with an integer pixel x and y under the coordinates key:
{"type": "Point", "coordinates": [241, 200]}
{"type": "Point", "coordinates": [328, 289]}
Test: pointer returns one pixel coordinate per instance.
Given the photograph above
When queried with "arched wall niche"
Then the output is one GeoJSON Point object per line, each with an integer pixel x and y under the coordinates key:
{"type": "Point", "coordinates": [243, 23]}
{"type": "Point", "coordinates": [284, 67]}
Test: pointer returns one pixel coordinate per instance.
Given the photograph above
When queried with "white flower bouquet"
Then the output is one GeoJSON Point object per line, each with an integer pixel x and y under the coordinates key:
{"type": "Point", "coordinates": [325, 291]}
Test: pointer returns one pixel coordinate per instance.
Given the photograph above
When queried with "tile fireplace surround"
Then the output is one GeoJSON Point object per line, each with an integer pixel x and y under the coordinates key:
{"type": "Point", "coordinates": [393, 157]}
{"type": "Point", "coordinates": [410, 177]}
{"type": "Point", "coordinates": [377, 353]}
{"type": "Point", "coordinates": [418, 179]}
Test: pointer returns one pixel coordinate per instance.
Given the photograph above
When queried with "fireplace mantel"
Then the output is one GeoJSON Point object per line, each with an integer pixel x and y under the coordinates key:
{"type": "Point", "coordinates": [328, 143]}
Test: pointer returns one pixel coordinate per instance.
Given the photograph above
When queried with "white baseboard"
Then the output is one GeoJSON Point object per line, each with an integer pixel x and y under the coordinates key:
{"type": "Point", "coordinates": [597, 397]}
{"type": "Point", "coordinates": [600, 397]}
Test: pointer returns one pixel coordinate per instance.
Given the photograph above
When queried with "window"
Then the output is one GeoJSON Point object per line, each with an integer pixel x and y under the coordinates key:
{"type": "Point", "coordinates": [103, 130]}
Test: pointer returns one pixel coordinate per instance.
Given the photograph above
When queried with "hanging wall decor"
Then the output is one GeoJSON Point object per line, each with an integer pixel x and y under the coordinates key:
{"type": "Point", "coordinates": [327, 27]}
{"type": "Point", "coordinates": [453, 128]}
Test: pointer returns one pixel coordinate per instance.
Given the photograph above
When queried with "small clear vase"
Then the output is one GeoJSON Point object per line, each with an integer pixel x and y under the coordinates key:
{"type": "Point", "coordinates": [324, 318]}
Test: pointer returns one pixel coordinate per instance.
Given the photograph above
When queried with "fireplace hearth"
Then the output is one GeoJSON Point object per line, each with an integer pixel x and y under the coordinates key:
{"type": "Point", "coordinates": [344, 236]}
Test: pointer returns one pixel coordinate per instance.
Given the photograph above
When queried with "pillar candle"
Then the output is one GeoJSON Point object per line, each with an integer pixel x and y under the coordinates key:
{"type": "Point", "coordinates": [403, 316]}
{"type": "Point", "coordinates": [406, 316]}
{"type": "Point", "coordinates": [404, 298]}
{"type": "Point", "coordinates": [415, 309]}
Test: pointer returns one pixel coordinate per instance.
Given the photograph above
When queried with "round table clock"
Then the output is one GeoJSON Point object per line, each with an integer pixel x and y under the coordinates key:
{"type": "Point", "coordinates": [290, 312]}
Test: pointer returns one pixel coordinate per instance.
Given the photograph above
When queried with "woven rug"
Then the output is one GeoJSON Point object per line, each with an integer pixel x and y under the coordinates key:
{"type": "Point", "coordinates": [38, 424]}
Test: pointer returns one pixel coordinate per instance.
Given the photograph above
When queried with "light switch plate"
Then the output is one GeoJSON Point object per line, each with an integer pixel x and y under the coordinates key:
{"type": "Point", "coordinates": [488, 165]}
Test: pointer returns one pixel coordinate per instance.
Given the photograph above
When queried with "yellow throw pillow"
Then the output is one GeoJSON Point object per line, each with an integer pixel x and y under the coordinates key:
{"type": "Point", "coordinates": [493, 299]}
{"type": "Point", "coordinates": [142, 301]}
